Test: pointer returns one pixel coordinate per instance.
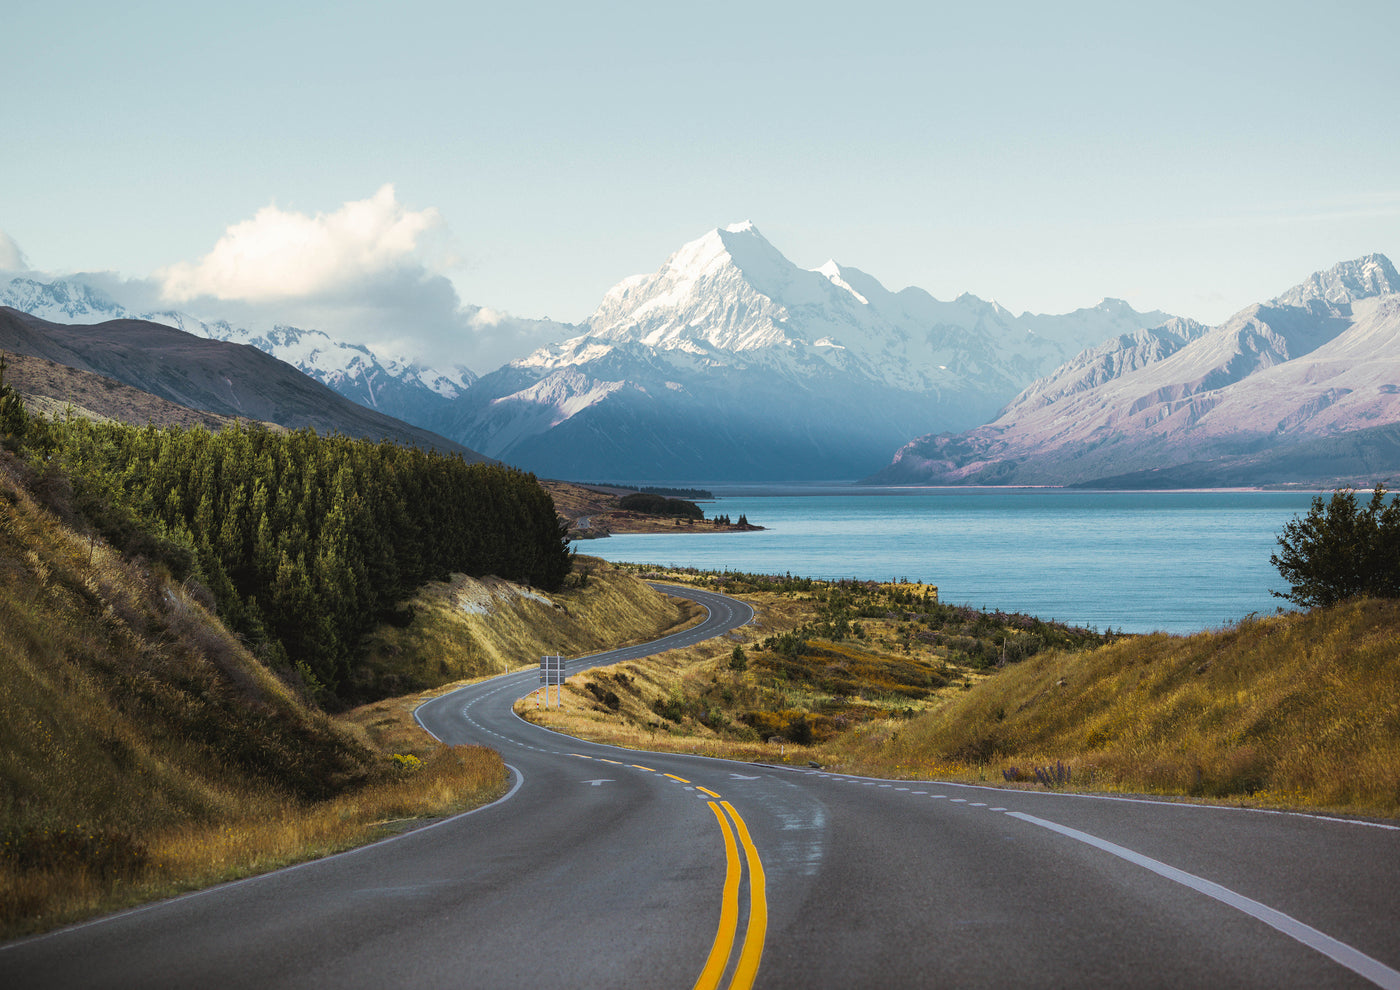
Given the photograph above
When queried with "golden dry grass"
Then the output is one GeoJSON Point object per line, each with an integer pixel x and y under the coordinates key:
{"type": "Point", "coordinates": [694, 674]}
{"type": "Point", "coordinates": [1292, 710]}
{"type": "Point", "coordinates": [269, 831]}
{"type": "Point", "coordinates": [469, 628]}
{"type": "Point", "coordinates": [1298, 710]}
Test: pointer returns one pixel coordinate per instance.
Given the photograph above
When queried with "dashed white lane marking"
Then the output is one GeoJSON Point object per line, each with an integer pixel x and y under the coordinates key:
{"type": "Point", "coordinates": [1234, 809]}
{"type": "Point", "coordinates": [1339, 952]}
{"type": "Point", "coordinates": [958, 800]}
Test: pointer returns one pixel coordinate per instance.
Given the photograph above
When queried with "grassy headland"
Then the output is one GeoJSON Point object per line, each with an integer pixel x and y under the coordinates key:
{"type": "Point", "coordinates": [821, 659]}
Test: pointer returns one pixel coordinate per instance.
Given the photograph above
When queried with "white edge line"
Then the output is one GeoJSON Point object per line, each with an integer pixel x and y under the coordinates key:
{"type": "Point", "coordinates": [1339, 952]}
{"type": "Point", "coordinates": [1104, 797]}
{"type": "Point", "coordinates": [306, 864]}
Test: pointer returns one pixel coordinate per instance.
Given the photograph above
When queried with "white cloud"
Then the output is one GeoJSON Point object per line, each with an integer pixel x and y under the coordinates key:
{"type": "Point", "coordinates": [11, 257]}
{"type": "Point", "coordinates": [369, 272]}
{"type": "Point", "coordinates": [284, 255]}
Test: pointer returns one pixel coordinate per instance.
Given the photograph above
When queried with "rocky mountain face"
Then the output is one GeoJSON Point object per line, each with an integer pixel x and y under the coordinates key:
{"type": "Point", "coordinates": [209, 375]}
{"type": "Point", "coordinates": [730, 362]}
{"type": "Point", "coordinates": [1303, 387]}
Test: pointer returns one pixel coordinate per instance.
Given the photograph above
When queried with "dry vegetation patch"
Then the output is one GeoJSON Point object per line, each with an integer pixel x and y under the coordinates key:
{"type": "Point", "coordinates": [1290, 710]}
{"type": "Point", "coordinates": [785, 688]}
{"type": "Point", "coordinates": [1297, 710]}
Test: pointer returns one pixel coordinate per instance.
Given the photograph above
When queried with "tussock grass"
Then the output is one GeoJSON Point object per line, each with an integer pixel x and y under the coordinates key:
{"type": "Point", "coordinates": [1291, 710]}
{"type": "Point", "coordinates": [688, 700]}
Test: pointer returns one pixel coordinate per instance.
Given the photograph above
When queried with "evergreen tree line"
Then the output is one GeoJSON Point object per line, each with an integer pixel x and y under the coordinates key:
{"type": "Point", "coordinates": [660, 505]}
{"type": "Point", "coordinates": [305, 542]}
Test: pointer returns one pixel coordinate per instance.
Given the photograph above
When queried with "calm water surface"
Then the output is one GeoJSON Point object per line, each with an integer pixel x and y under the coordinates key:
{"type": "Point", "coordinates": [1137, 561]}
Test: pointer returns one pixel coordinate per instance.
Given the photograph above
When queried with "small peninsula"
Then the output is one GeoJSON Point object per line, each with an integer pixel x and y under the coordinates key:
{"type": "Point", "coordinates": [596, 511]}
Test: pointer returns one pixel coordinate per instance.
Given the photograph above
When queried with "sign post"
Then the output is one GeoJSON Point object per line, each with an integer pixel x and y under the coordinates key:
{"type": "Point", "coordinates": [552, 672]}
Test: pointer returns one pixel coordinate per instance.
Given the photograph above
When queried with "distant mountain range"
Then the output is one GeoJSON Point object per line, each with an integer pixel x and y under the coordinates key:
{"type": "Point", "coordinates": [730, 363]}
{"type": "Point", "coordinates": [235, 380]}
{"type": "Point", "coordinates": [1304, 387]}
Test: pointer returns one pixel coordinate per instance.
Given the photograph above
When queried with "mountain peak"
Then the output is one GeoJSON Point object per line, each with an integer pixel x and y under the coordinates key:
{"type": "Point", "coordinates": [1346, 282]}
{"type": "Point", "coordinates": [837, 276]}
{"type": "Point", "coordinates": [736, 244]}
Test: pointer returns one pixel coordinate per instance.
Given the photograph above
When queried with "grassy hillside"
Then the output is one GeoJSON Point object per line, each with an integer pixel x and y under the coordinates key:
{"type": "Point", "coordinates": [820, 659]}
{"type": "Point", "coordinates": [467, 627]}
{"type": "Point", "coordinates": [1299, 709]}
{"type": "Point", "coordinates": [143, 749]}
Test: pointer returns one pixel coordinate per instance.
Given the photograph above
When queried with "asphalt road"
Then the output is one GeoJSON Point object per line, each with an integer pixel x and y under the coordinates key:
{"type": "Point", "coordinates": [611, 868]}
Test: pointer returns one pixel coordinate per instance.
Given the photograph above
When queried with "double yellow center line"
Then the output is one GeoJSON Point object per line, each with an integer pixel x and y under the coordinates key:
{"type": "Point", "coordinates": [736, 834]}
{"type": "Point", "coordinates": [752, 952]}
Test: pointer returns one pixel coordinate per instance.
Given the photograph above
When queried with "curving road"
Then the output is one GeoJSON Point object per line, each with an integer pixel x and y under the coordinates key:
{"type": "Point", "coordinates": [612, 868]}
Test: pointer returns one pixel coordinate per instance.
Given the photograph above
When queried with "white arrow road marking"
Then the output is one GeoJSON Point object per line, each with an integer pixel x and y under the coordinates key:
{"type": "Point", "coordinates": [599, 781]}
{"type": "Point", "coordinates": [1353, 959]}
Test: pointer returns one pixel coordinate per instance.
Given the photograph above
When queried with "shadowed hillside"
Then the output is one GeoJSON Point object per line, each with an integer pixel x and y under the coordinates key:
{"type": "Point", "coordinates": [210, 375]}
{"type": "Point", "coordinates": [53, 389]}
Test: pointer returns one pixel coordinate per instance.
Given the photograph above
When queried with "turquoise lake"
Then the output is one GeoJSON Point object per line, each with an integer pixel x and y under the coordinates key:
{"type": "Point", "coordinates": [1136, 561]}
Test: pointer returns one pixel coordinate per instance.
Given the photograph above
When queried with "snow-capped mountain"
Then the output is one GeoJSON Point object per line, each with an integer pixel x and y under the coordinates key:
{"type": "Point", "coordinates": [731, 362]}
{"type": "Point", "coordinates": [397, 386]}
{"type": "Point", "coordinates": [1247, 402]}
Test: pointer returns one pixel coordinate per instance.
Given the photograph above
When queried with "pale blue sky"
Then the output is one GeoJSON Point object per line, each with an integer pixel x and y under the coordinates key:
{"type": "Point", "coordinates": [1189, 157]}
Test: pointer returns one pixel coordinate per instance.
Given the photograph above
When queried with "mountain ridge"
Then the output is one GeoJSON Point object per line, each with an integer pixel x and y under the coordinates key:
{"type": "Point", "coordinates": [210, 375]}
{"type": "Point", "coordinates": [1320, 360]}
{"type": "Point", "coordinates": [398, 387]}
{"type": "Point", "coordinates": [756, 368]}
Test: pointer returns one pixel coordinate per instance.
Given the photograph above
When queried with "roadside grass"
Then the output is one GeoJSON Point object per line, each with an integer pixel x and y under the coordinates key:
{"type": "Point", "coordinates": [1296, 710]}
{"type": "Point", "coordinates": [1287, 711]}
{"type": "Point", "coordinates": [50, 877]}
{"type": "Point", "coordinates": [469, 628]}
{"type": "Point", "coordinates": [777, 709]}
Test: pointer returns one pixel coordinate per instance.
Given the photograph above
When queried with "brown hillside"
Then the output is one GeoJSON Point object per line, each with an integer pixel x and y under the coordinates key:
{"type": "Point", "coordinates": [209, 375]}
{"type": "Point", "coordinates": [48, 387]}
